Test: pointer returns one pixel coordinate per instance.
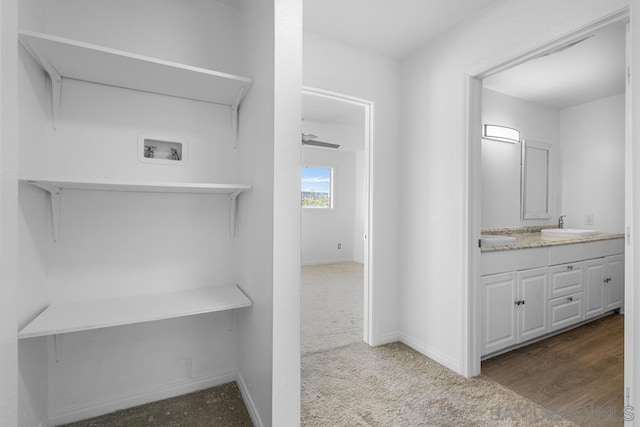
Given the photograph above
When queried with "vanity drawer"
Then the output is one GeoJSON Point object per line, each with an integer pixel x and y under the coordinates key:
{"type": "Point", "coordinates": [565, 279]}
{"type": "Point", "coordinates": [566, 311]}
{"type": "Point", "coordinates": [513, 260]}
{"type": "Point", "coordinates": [563, 254]}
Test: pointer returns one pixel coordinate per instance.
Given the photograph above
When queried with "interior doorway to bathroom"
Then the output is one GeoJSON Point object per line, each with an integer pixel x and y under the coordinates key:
{"type": "Point", "coordinates": [335, 200]}
{"type": "Point", "coordinates": [571, 123]}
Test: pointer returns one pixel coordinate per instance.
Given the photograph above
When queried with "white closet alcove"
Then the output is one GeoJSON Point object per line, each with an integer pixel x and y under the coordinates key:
{"type": "Point", "coordinates": [135, 282]}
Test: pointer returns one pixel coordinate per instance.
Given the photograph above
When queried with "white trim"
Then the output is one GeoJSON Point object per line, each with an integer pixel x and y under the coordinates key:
{"type": "Point", "coordinates": [629, 283]}
{"type": "Point", "coordinates": [248, 401]}
{"type": "Point", "coordinates": [329, 261]}
{"type": "Point", "coordinates": [430, 353]}
{"type": "Point", "coordinates": [470, 337]}
{"type": "Point", "coordinates": [128, 400]}
{"type": "Point", "coordinates": [369, 326]}
{"type": "Point", "coordinates": [469, 318]}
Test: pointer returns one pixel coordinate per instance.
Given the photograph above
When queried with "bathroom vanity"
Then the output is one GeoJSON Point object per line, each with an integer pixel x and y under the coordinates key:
{"type": "Point", "coordinates": [536, 285]}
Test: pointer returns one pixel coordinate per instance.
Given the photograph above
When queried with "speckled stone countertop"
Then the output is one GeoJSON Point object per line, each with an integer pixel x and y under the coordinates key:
{"type": "Point", "coordinates": [530, 237]}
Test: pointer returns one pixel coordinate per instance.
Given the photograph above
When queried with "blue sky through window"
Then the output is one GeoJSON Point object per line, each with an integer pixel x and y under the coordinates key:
{"type": "Point", "coordinates": [316, 180]}
{"type": "Point", "coordinates": [316, 187]}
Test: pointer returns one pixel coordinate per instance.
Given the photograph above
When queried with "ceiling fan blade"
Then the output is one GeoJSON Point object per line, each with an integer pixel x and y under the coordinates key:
{"type": "Point", "coordinates": [320, 144]}
{"type": "Point", "coordinates": [308, 137]}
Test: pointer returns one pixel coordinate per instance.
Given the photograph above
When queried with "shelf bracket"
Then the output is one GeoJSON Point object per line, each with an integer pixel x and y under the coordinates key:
{"type": "Point", "coordinates": [54, 77]}
{"type": "Point", "coordinates": [234, 114]}
{"type": "Point", "coordinates": [233, 211]}
{"type": "Point", "coordinates": [56, 196]}
{"type": "Point", "coordinates": [57, 347]}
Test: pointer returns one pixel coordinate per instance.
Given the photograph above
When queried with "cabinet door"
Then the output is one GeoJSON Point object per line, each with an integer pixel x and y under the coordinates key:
{"type": "Point", "coordinates": [532, 312]}
{"type": "Point", "coordinates": [594, 275]}
{"type": "Point", "coordinates": [565, 311]}
{"type": "Point", "coordinates": [565, 279]}
{"type": "Point", "coordinates": [499, 311]}
{"type": "Point", "coordinates": [614, 287]}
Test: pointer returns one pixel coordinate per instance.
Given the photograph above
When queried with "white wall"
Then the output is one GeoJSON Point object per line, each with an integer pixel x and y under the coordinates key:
{"type": "Point", "coordinates": [338, 68]}
{"type": "Point", "coordinates": [324, 229]}
{"type": "Point", "coordinates": [8, 213]}
{"type": "Point", "coordinates": [268, 239]}
{"type": "Point", "coordinates": [500, 206]}
{"type": "Point", "coordinates": [592, 163]}
{"type": "Point", "coordinates": [33, 221]}
{"type": "Point", "coordinates": [286, 227]}
{"type": "Point", "coordinates": [181, 241]}
{"type": "Point", "coordinates": [254, 247]}
{"type": "Point", "coordinates": [434, 253]}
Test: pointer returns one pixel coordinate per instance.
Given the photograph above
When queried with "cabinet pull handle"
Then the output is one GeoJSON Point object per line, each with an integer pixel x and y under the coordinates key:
{"type": "Point", "coordinates": [607, 280]}
{"type": "Point", "coordinates": [569, 299]}
{"type": "Point", "coordinates": [569, 267]}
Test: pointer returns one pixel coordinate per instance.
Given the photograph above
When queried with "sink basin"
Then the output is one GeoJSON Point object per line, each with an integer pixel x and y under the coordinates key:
{"type": "Point", "coordinates": [570, 232]}
{"type": "Point", "coordinates": [496, 240]}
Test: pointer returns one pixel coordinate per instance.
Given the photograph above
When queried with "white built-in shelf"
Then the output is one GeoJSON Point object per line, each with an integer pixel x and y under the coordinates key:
{"type": "Point", "coordinates": [65, 317]}
{"type": "Point", "coordinates": [55, 189]}
{"type": "Point", "coordinates": [71, 59]}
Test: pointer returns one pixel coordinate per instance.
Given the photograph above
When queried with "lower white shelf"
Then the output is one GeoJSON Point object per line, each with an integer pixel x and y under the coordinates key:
{"type": "Point", "coordinates": [64, 317]}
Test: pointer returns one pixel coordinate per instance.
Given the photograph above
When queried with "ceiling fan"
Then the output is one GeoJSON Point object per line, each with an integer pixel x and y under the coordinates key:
{"type": "Point", "coordinates": [309, 139]}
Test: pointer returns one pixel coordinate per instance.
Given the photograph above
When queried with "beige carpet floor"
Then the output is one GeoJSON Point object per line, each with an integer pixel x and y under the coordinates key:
{"type": "Point", "coordinates": [347, 383]}
{"type": "Point", "coordinates": [332, 298]}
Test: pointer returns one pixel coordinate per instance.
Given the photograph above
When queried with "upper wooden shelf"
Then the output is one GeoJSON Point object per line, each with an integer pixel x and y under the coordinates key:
{"type": "Point", "coordinates": [65, 58]}
{"type": "Point", "coordinates": [65, 317]}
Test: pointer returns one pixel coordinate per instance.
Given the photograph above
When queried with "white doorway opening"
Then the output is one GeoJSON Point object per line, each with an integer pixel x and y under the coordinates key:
{"type": "Point", "coordinates": [472, 321]}
{"type": "Point", "coordinates": [355, 117]}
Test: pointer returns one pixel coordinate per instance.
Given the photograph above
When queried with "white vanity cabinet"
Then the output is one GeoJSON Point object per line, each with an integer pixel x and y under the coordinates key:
{"type": "Point", "coordinates": [499, 311]}
{"type": "Point", "coordinates": [604, 285]}
{"type": "Point", "coordinates": [529, 293]}
{"type": "Point", "coordinates": [613, 282]}
{"type": "Point", "coordinates": [514, 307]}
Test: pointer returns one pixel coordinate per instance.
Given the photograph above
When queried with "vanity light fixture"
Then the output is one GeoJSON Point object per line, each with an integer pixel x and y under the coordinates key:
{"type": "Point", "coordinates": [501, 133]}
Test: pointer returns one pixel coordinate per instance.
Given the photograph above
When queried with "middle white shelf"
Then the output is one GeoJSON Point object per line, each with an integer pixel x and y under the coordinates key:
{"type": "Point", "coordinates": [56, 187]}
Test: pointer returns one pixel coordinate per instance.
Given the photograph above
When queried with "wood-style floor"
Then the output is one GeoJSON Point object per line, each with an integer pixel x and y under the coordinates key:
{"type": "Point", "coordinates": [578, 374]}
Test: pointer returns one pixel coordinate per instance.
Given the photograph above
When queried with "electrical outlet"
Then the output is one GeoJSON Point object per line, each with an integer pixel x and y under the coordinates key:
{"type": "Point", "coordinates": [588, 219]}
{"type": "Point", "coordinates": [339, 245]}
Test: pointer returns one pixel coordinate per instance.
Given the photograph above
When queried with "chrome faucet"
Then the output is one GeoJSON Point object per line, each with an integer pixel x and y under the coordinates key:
{"type": "Point", "coordinates": [561, 221]}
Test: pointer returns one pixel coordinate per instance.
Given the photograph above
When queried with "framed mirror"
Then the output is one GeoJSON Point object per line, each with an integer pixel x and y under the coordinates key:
{"type": "Point", "coordinates": [534, 182]}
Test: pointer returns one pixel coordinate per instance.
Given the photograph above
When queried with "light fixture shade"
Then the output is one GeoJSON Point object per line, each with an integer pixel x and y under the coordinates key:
{"type": "Point", "coordinates": [501, 133]}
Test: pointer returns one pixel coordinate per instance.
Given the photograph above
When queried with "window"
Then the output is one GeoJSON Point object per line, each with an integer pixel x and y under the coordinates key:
{"type": "Point", "coordinates": [317, 187]}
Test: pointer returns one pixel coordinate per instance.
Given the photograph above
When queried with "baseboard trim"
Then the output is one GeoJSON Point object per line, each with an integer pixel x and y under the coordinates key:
{"type": "Point", "coordinates": [101, 407]}
{"type": "Point", "coordinates": [430, 353]}
{"type": "Point", "coordinates": [248, 401]}
{"type": "Point", "coordinates": [327, 261]}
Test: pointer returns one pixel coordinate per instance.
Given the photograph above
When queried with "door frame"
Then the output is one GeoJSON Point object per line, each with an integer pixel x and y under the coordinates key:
{"type": "Point", "coordinates": [368, 238]}
{"type": "Point", "coordinates": [471, 321]}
